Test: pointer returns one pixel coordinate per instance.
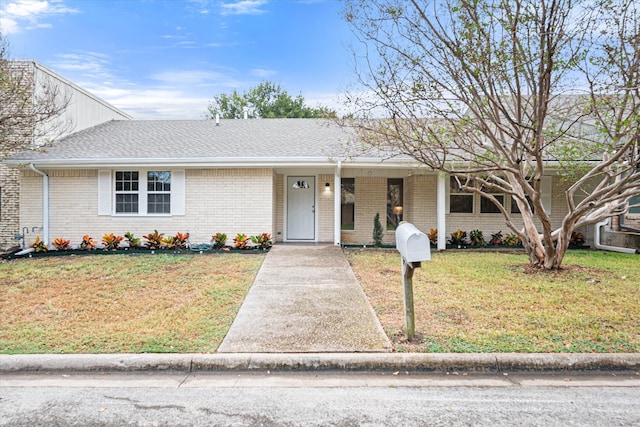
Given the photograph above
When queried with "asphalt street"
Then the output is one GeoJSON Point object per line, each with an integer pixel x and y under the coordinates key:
{"type": "Point", "coordinates": [315, 399]}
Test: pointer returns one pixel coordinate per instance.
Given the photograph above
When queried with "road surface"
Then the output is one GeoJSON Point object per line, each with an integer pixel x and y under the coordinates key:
{"type": "Point", "coordinates": [320, 399]}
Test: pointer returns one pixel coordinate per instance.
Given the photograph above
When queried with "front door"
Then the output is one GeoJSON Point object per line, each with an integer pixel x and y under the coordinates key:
{"type": "Point", "coordinates": [301, 209]}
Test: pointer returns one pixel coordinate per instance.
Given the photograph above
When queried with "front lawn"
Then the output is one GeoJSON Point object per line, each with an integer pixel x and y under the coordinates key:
{"type": "Point", "coordinates": [122, 303]}
{"type": "Point", "coordinates": [490, 302]}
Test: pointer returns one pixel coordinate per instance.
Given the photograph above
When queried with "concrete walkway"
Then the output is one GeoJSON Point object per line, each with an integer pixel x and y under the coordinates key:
{"type": "Point", "coordinates": [305, 299]}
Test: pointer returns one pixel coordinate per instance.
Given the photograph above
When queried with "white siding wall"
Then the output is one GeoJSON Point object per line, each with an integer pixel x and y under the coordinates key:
{"type": "Point", "coordinates": [84, 110]}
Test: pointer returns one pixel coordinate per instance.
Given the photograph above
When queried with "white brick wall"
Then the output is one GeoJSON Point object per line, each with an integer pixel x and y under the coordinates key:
{"type": "Point", "coordinates": [420, 209]}
{"type": "Point", "coordinates": [230, 201]}
{"type": "Point", "coordinates": [247, 201]}
{"type": "Point", "coordinates": [324, 210]}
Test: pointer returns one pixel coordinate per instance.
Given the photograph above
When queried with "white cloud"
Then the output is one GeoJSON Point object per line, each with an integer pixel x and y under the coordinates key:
{"type": "Point", "coordinates": [263, 73]}
{"type": "Point", "coordinates": [8, 26]}
{"type": "Point", "coordinates": [199, 78]}
{"type": "Point", "coordinates": [244, 7]}
{"type": "Point", "coordinates": [86, 64]}
{"type": "Point", "coordinates": [20, 14]}
{"type": "Point", "coordinates": [167, 94]}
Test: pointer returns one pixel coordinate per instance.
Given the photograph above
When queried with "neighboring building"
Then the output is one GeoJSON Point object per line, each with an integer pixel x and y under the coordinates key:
{"type": "Point", "coordinates": [289, 177]}
{"type": "Point", "coordinates": [84, 110]}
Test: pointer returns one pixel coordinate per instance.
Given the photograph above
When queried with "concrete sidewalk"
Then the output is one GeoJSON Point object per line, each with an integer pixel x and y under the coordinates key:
{"type": "Point", "coordinates": [305, 299]}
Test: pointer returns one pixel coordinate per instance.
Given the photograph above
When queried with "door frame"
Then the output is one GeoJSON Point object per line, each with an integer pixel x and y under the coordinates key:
{"type": "Point", "coordinates": [286, 207]}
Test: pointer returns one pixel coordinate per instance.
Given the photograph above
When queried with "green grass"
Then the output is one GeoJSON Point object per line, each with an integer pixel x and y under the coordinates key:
{"type": "Point", "coordinates": [120, 303]}
{"type": "Point", "coordinates": [490, 302]}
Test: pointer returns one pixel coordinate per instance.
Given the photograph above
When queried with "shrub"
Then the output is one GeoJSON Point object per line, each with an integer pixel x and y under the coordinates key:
{"type": "Point", "coordinates": [496, 239]}
{"type": "Point", "coordinates": [512, 239]}
{"type": "Point", "coordinates": [577, 239]}
{"type": "Point", "coordinates": [433, 236]}
{"type": "Point", "coordinates": [62, 244]}
{"type": "Point", "coordinates": [459, 238]}
{"type": "Point", "coordinates": [154, 240]}
{"type": "Point", "coordinates": [39, 245]}
{"type": "Point", "coordinates": [180, 240]}
{"type": "Point", "coordinates": [378, 231]}
{"type": "Point", "coordinates": [87, 243]}
{"type": "Point", "coordinates": [218, 240]}
{"type": "Point", "coordinates": [240, 241]}
{"type": "Point", "coordinates": [263, 241]}
{"type": "Point", "coordinates": [111, 242]}
{"type": "Point", "coordinates": [168, 242]}
{"type": "Point", "coordinates": [477, 238]}
{"type": "Point", "coordinates": [132, 241]}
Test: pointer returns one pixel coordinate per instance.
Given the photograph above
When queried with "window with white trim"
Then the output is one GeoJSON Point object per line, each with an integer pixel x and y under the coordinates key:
{"type": "Point", "coordinates": [127, 189]}
{"type": "Point", "coordinates": [159, 192]}
{"type": "Point", "coordinates": [459, 201]}
{"type": "Point", "coordinates": [488, 206]}
{"type": "Point", "coordinates": [143, 192]}
{"type": "Point", "coordinates": [514, 205]}
{"type": "Point", "coordinates": [348, 203]}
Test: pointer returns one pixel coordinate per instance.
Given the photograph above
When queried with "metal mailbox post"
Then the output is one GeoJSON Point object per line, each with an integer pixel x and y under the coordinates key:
{"type": "Point", "coordinates": [414, 247]}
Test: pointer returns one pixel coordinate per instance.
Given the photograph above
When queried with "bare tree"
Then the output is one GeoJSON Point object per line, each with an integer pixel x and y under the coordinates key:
{"type": "Point", "coordinates": [30, 110]}
{"type": "Point", "coordinates": [496, 92]}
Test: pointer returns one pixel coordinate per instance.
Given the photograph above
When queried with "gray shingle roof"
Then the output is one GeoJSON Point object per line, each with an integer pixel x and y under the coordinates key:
{"type": "Point", "coordinates": [275, 140]}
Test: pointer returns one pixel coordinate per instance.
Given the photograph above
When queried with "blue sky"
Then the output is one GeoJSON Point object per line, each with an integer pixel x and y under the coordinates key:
{"type": "Point", "coordinates": [167, 59]}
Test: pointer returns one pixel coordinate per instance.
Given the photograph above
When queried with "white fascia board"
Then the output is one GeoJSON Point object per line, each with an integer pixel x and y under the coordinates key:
{"type": "Point", "coordinates": [177, 163]}
{"type": "Point", "coordinates": [230, 162]}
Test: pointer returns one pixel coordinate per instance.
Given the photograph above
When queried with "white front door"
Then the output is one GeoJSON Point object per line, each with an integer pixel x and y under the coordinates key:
{"type": "Point", "coordinates": [301, 209]}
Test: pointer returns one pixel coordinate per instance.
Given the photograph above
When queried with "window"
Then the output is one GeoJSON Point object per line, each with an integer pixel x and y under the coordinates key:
{"type": "Point", "coordinates": [459, 201]}
{"type": "Point", "coordinates": [159, 192]}
{"type": "Point", "coordinates": [634, 205]}
{"type": "Point", "coordinates": [127, 192]}
{"type": "Point", "coordinates": [130, 198]}
{"type": "Point", "coordinates": [348, 204]}
{"type": "Point", "coordinates": [394, 202]}
{"type": "Point", "coordinates": [487, 206]}
{"type": "Point", "coordinates": [514, 206]}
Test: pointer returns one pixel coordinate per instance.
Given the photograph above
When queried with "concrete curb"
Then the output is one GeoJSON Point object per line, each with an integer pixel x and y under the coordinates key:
{"type": "Point", "coordinates": [347, 362]}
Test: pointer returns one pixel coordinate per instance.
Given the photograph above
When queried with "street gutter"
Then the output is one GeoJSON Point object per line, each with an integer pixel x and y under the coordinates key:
{"type": "Point", "coordinates": [346, 362]}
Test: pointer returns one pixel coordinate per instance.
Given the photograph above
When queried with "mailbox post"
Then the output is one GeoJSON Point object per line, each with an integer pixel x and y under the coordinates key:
{"type": "Point", "coordinates": [414, 247]}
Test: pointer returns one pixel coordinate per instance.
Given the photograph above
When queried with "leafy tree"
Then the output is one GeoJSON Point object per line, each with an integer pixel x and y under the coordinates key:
{"type": "Point", "coordinates": [266, 101]}
{"type": "Point", "coordinates": [495, 92]}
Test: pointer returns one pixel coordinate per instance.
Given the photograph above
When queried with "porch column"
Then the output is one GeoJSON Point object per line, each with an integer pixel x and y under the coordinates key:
{"type": "Point", "coordinates": [441, 208]}
{"type": "Point", "coordinates": [337, 206]}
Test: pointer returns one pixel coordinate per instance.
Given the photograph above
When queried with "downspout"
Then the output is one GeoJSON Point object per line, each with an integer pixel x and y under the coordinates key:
{"type": "Point", "coordinates": [45, 203]}
{"type": "Point", "coordinates": [598, 245]}
{"type": "Point", "coordinates": [441, 211]}
{"type": "Point", "coordinates": [337, 205]}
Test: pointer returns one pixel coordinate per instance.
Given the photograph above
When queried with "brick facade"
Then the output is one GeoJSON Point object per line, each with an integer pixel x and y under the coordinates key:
{"type": "Point", "coordinates": [229, 201]}
{"type": "Point", "coordinates": [15, 137]}
{"type": "Point", "coordinates": [420, 193]}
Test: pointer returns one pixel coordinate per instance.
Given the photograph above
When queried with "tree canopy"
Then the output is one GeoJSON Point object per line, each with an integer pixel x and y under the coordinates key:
{"type": "Point", "coordinates": [266, 101]}
{"type": "Point", "coordinates": [499, 94]}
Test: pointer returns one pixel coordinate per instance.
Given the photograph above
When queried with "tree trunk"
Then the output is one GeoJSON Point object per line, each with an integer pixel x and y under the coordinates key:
{"type": "Point", "coordinates": [548, 257]}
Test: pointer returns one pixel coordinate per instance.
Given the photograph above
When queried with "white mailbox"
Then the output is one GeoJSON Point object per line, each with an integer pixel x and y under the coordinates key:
{"type": "Point", "coordinates": [413, 244]}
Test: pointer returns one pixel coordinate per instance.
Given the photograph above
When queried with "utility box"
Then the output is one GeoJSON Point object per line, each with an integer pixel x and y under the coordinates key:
{"type": "Point", "coordinates": [413, 244]}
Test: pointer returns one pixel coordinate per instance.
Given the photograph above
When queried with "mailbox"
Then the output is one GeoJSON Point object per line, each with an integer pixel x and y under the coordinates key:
{"type": "Point", "coordinates": [413, 244]}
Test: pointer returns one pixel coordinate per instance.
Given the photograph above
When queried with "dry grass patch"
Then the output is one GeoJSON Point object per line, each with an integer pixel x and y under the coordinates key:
{"type": "Point", "coordinates": [491, 302]}
{"type": "Point", "coordinates": [122, 303]}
